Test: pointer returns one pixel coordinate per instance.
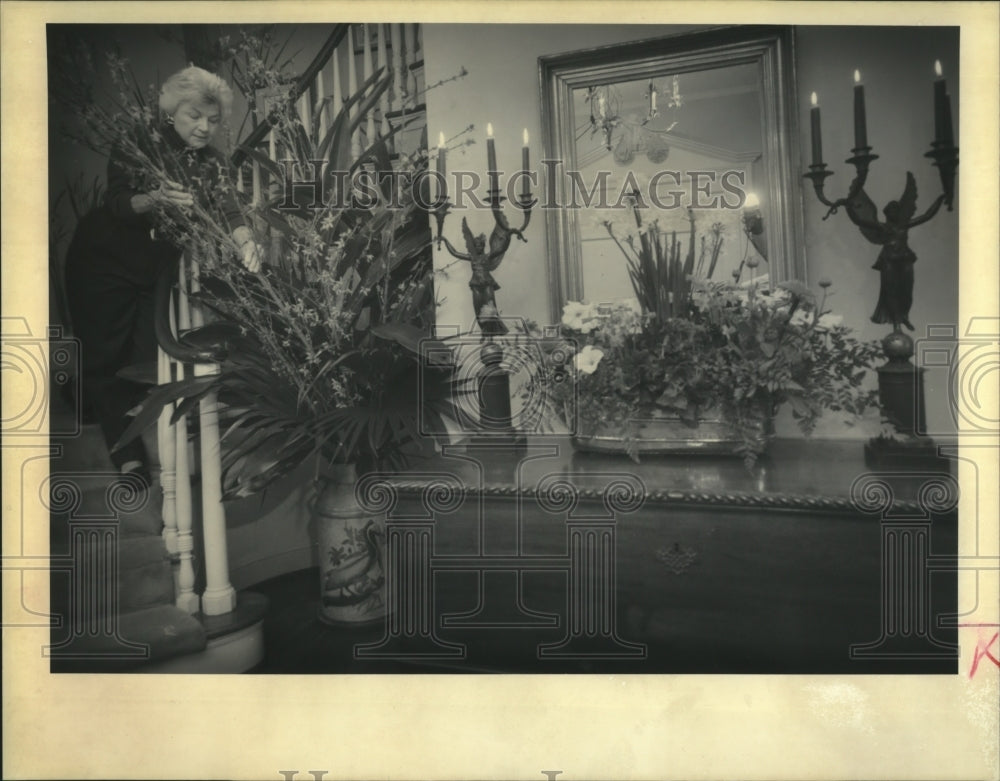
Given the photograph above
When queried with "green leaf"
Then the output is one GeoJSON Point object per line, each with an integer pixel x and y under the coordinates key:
{"type": "Point", "coordinates": [161, 395]}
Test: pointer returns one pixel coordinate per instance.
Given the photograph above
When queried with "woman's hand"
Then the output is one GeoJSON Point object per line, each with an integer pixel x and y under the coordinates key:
{"type": "Point", "coordinates": [172, 194]}
{"type": "Point", "coordinates": [252, 256]}
{"type": "Point", "coordinates": [252, 252]}
{"type": "Point", "coordinates": [169, 193]}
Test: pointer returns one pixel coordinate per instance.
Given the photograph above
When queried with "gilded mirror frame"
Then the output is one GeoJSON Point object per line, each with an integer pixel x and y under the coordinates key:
{"type": "Point", "coordinates": [771, 47]}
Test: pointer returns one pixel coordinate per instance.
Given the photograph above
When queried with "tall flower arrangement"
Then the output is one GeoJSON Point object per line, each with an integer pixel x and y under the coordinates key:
{"type": "Point", "coordinates": [323, 353]}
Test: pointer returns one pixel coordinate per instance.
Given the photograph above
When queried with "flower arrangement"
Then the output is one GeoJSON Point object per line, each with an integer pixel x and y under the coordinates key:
{"type": "Point", "coordinates": [323, 354]}
{"type": "Point", "coordinates": [687, 347]}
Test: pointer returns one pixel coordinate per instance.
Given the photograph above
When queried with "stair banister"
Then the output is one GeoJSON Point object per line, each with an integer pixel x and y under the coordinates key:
{"type": "Point", "coordinates": [301, 85]}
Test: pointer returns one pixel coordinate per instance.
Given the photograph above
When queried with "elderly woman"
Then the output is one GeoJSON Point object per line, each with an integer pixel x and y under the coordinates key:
{"type": "Point", "coordinates": [117, 252]}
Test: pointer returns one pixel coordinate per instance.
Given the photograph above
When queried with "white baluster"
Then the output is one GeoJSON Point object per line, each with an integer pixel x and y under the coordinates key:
{"type": "Point", "coordinates": [194, 284]}
{"type": "Point", "coordinates": [398, 80]}
{"type": "Point", "coordinates": [219, 596]}
{"type": "Point", "coordinates": [305, 112]}
{"type": "Point", "coordinates": [384, 101]}
{"type": "Point", "coordinates": [321, 102]}
{"type": "Point", "coordinates": [352, 88]}
{"type": "Point", "coordinates": [410, 56]}
{"type": "Point", "coordinates": [187, 600]}
{"type": "Point", "coordinates": [338, 99]}
{"type": "Point", "coordinates": [166, 446]}
{"type": "Point", "coordinates": [366, 65]}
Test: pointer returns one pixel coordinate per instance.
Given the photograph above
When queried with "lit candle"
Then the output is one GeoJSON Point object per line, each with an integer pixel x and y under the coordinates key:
{"type": "Point", "coordinates": [943, 133]}
{"type": "Point", "coordinates": [525, 182]}
{"type": "Point", "coordinates": [491, 152]}
{"type": "Point", "coordinates": [442, 181]}
{"type": "Point", "coordinates": [601, 112]}
{"type": "Point", "coordinates": [860, 125]}
{"type": "Point", "coordinates": [491, 158]}
{"type": "Point", "coordinates": [817, 139]}
{"type": "Point", "coordinates": [652, 98]}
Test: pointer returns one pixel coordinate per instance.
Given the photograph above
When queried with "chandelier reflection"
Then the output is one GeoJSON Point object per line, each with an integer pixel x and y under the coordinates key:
{"type": "Point", "coordinates": [625, 133]}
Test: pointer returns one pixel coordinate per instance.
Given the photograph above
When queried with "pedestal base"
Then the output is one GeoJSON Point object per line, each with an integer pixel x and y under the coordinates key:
{"type": "Point", "coordinates": [915, 454]}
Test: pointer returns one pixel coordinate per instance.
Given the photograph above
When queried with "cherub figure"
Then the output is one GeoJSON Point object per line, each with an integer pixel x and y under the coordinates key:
{"type": "Point", "coordinates": [481, 282]}
{"type": "Point", "coordinates": [483, 264]}
{"type": "Point", "coordinates": [895, 261]}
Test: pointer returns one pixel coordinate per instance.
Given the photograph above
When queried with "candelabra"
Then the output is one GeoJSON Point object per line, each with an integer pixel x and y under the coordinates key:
{"type": "Point", "coordinates": [753, 225]}
{"type": "Point", "coordinates": [484, 258]}
{"type": "Point", "coordinates": [900, 382]}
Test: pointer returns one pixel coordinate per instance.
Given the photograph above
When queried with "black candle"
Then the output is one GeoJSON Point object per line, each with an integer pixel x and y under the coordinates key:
{"type": "Point", "coordinates": [942, 109]}
{"type": "Point", "coordinates": [817, 139]}
{"type": "Point", "coordinates": [491, 157]}
{"type": "Point", "coordinates": [525, 181]}
{"type": "Point", "coordinates": [860, 124]}
{"type": "Point", "coordinates": [442, 179]}
{"type": "Point", "coordinates": [949, 134]}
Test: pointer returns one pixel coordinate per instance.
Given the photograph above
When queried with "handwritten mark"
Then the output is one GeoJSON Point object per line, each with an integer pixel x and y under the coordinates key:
{"type": "Point", "coordinates": [981, 649]}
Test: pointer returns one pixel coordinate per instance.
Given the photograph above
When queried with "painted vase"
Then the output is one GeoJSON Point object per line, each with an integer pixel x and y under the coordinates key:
{"type": "Point", "coordinates": [351, 544]}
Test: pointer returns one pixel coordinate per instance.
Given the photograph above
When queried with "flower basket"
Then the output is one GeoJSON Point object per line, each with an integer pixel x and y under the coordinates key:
{"type": "Point", "coordinates": [652, 432]}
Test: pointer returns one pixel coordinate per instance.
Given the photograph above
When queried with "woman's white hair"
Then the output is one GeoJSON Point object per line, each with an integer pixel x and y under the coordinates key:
{"type": "Point", "coordinates": [197, 85]}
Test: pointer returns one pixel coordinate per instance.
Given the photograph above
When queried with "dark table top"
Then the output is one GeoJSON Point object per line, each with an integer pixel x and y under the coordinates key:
{"type": "Point", "coordinates": [795, 473]}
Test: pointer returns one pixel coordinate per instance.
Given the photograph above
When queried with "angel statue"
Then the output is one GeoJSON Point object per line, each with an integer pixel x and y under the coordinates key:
{"type": "Point", "coordinates": [895, 261]}
{"type": "Point", "coordinates": [484, 263]}
{"type": "Point", "coordinates": [482, 283]}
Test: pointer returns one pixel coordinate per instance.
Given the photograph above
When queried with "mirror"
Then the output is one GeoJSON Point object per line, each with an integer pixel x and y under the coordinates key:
{"type": "Point", "coordinates": [686, 142]}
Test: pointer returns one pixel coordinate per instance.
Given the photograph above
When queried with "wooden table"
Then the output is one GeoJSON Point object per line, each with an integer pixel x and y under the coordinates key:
{"type": "Point", "coordinates": [538, 559]}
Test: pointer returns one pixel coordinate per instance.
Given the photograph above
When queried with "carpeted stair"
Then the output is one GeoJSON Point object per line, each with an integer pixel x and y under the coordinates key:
{"type": "Point", "coordinates": [112, 580]}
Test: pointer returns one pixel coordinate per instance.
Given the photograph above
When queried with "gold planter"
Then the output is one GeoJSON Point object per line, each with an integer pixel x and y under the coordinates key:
{"type": "Point", "coordinates": [657, 434]}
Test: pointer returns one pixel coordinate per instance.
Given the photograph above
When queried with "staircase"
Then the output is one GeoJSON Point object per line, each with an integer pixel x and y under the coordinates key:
{"type": "Point", "coordinates": [140, 578]}
{"type": "Point", "coordinates": [112, 581]}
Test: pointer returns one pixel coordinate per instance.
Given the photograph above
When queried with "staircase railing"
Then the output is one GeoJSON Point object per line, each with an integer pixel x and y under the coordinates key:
{"type": "Point", "coordinates": [357, 50]}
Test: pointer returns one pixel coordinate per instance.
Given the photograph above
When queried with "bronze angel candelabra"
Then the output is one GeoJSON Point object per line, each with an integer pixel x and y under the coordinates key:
{"type": "Point", "coordinates": [900, 382]}
{"type": "Point", "coordinates": [484, 258]}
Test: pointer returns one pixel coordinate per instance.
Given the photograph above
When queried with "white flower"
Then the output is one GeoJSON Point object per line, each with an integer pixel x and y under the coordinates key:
{"type": "Point", "coordinates": [825, 322]}
{"type": "Point", "coordinates": [587, 359]}
{"type": "Point", "coordinates": [580, 317]}
{"type": "Point", "coordinates": [801, 318]}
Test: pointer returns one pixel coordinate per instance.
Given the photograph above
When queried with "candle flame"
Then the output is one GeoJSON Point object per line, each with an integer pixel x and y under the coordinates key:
{"type": "Point", "coordinates": [525, 136]}
{"type": "Point", "coordinates": [813, 99]}
{"type": "Point", "coordinates": [441, 141]}
{"type": "Point", "coordinates": [937, 68]}
{"type": "Point", "coordinates": [489, 130]}
{"type": "Point", "coordinates": [857, 76]}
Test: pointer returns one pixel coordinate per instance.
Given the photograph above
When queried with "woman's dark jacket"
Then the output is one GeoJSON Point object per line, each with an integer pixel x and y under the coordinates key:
{"type": "Point", "coordinates": [113, 239]}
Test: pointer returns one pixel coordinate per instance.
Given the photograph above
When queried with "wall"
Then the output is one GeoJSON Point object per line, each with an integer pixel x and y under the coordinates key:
{"type": "Point", "coordinates": [897, 65]}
